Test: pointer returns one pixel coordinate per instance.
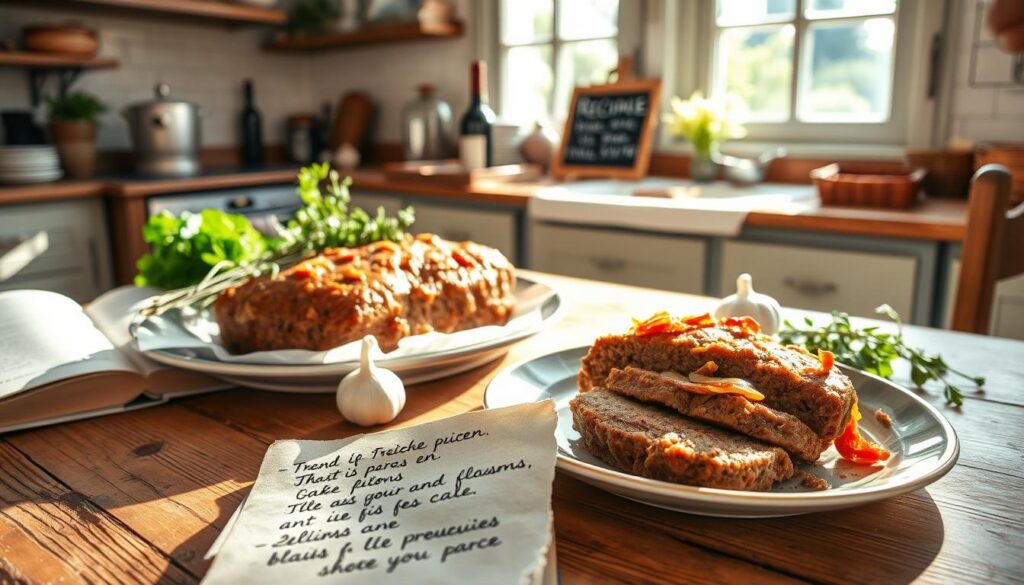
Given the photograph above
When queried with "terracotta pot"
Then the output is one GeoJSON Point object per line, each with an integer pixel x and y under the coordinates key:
{"type": "Point", "coordinates": [539, 147]}
{"type": "Point", "coordinates": [76, 146]}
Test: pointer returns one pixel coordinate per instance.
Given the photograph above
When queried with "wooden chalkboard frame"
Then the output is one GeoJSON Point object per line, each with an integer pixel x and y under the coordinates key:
{"type": "Point", "coordinates": [642, 162]}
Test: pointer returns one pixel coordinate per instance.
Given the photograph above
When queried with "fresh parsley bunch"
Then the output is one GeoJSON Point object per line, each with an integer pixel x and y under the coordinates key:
{"type": "Point", "coordinates": [185, 249]}
{"type": "Point", "coordinates": [213, 250]}
{"type": "Point", "coordinates": [873, 350]}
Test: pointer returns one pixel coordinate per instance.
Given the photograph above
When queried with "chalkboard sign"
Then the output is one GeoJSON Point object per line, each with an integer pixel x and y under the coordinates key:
{"type": "Point", "coordinates": [609, 130]}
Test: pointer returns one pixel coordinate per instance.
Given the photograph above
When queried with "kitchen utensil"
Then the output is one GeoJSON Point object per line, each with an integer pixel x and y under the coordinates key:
{"type": "Point", "coordinates": [923, 444]}
{"type": "Point", "coordinates": [427, 126]}
{"type": "Point", "coordinates": [65, 39]}
{"type": "Point", "coordinates": [165, 134]}
{"type": "Point", "coordinates": [300, 133]}
{"type": "Point", "coordinates": [352, 123]}
{"type": "Point", "coordinates": [746, 171]}
{"type": "Point", "coordinates": [867, 185]}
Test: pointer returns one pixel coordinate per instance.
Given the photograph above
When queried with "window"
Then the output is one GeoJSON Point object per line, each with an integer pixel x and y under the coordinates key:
{"type": "Point", "coordinates": [812, 70]}
{"type": "Point", "coordinates": [547, 47]}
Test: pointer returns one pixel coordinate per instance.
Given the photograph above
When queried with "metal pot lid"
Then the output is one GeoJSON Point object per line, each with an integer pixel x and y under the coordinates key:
{"type": "Point", "coordinates": [162, 91]}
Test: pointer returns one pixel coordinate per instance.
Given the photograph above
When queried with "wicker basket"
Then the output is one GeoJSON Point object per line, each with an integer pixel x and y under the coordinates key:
{"type": "Point", "coordinates": [1010, 156]}
{"type": "Point", "coordinates": [850, 185]}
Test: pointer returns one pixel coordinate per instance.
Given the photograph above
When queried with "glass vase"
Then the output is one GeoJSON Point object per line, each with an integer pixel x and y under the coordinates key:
{"type": "Point", "coordinates": [703, 169]}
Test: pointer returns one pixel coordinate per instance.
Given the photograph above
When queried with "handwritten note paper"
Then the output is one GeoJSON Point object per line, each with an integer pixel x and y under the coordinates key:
{"type": "Point", "coordinates": [467, 498]}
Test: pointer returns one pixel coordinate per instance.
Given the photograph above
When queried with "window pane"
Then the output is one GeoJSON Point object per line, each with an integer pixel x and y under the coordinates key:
{"type": "Point", "coordinates": [583, 63]}
{"type": "Point", "coordinates": [588, 19]}
{"type": "Point", "coordinates": [836, 8]}
{"type": "Point", "coordinates": [526, 21]}
{"type": "Point", "coordinates": [849, 71]}
{"type": "Point", "coordinates": [734, 12]}
{"type": "Point", "coordinates": [756, 65]}
{"type": "Point", "coordinates": [528, 81]}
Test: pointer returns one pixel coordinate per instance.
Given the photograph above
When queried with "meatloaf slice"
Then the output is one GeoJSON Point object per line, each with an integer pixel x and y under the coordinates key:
{"type": "Point", "coordinates": [791, 379]}
{"type": "Point", "coordinates": [386, 289]}
{"type": "Point", "coordinates": [728, 410]}
{"type": "Point", "coordinates": [652, 441]}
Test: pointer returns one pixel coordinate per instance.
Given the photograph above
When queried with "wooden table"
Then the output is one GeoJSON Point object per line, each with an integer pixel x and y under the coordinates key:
{"type": "Point", "coordinates": [140, 497]}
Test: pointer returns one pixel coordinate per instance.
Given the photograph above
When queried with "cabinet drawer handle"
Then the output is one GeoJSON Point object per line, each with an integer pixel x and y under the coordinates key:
{"type": "Point", "coordinates": [608, 264]}
{"type": "Point", "coordinates": [810, 287]}
{"type": "Point", "coordinates": [457, 236]}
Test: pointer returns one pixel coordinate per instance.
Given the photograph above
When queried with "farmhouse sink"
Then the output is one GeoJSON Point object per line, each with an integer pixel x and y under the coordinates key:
{"type": "Point", "coordinates": [666, 204]}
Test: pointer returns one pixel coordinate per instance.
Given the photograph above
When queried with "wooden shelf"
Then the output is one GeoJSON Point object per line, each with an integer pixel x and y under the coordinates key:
{"type": "Point", "coordinates": [373, 35]}
{"type": "Point", "coordinates": [213, 10]}
{"type": "Point", "coordinates": [53, 61]}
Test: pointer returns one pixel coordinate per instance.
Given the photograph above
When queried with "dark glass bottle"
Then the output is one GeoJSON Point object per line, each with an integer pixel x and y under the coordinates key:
{"type": "Point", "coordinates": [475, 148]}
{"type": "Point", "coordinates": [252, 130]}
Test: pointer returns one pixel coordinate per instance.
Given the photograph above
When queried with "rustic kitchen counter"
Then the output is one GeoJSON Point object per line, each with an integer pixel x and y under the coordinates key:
{"type": "Point", "coordinates": [140, 497]}
{"type": "Point", "coordinates": [932, 220]}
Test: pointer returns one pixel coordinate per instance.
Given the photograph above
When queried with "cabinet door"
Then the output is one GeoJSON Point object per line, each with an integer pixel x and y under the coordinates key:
{"type": "Point", "coordinates": [639, 259]}
{"type": "Point", "coordinates": [822, 280]}
{"type": "Point", "coordinates": [76, 260]}
{"type": "Point", "coordinates": [493, 228]}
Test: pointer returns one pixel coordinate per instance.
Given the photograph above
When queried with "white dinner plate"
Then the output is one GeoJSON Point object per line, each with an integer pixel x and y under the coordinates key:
{"type": "Point", "coordinates": [923, 444]}
{"type": "Point", "coordinates": [323, 378]}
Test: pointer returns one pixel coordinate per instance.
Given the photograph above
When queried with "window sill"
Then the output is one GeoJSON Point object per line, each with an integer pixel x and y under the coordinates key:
{"type": "Point", "coordinates": [802, 150]}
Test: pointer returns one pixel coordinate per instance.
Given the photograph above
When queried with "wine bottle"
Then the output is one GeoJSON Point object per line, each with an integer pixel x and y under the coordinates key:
{"type": "Point", "coordinates": [475, 128]}
{"type": "Point", "coordinates": [252, 130]}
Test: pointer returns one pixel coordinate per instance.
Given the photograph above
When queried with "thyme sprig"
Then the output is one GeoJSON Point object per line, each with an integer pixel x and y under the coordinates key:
{"type": "Point", "coordinates": [874, 350]}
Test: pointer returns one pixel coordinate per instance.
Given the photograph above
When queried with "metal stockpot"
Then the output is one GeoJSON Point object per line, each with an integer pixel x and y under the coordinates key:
{"type": "Point", "coordinates": [165, 134]}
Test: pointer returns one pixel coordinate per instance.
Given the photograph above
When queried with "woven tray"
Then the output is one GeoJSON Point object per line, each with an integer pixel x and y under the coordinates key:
{"type": "Point", "coordinates": [850, 185]}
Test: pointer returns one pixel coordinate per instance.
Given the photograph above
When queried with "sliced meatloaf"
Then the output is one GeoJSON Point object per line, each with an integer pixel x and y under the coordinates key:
{"type": "Point", "coordinates": [655, 442]}
{"type": "Point", "coordinates": [792, 380]}
{"type": "Point", "coordinates": [386, 289]}
{"type": "Point", "coordinates": [728, 410]}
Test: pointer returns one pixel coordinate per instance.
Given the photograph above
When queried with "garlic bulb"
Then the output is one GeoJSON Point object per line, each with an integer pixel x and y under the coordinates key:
{"type": "Point", "coordinates": [370, 395]}
{"type": "Point", "coordinates": [748, 303]}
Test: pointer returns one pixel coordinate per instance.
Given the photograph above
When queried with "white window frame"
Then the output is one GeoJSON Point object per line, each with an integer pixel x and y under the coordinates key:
{"type": "Point", "coordinates": [491, 48]}
{"type": "Point", "coordinates": [686, 44]}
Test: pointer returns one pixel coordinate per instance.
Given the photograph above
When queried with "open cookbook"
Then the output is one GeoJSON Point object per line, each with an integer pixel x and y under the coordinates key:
{"type": "Point", "coordinates": [60, 361]}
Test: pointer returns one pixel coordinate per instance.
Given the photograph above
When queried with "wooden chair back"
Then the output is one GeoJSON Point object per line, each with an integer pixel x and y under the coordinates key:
{"type": "Point", "coordinates": [993, 248]}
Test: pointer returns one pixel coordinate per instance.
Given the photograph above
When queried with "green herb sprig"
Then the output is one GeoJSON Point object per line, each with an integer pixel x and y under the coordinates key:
{"type": "Point", "coordinates": [874, 350]}
{"type": "Point", "coordinates": [200, 255]}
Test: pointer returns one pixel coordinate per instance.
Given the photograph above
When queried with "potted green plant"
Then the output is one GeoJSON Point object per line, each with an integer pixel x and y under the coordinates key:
{"type": "Point", "coordinates": [73, 127]}
{"type": "Point", "coordinates": [706, 123]}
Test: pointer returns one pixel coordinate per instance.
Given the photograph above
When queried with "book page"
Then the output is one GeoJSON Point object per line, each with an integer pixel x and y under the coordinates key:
{"type": "Point", "coordinates": [465, 499]}
{"type": "Point", "coordinates": [112, 312]}
{"type": "Point", "coordinates": [46, 337]}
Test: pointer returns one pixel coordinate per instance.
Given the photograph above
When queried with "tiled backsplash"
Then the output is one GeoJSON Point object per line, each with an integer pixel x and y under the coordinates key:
{"type": "Point", "coordinates": [206, 63]}
{"type": "Point", "coordinates": [981, 113]}
{"type": "Point", "coordinates": [202, 63]}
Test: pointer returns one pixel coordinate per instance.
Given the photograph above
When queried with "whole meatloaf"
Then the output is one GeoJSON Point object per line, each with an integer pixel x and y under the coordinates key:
{"type": "Point", "coordinates": [792, 380]}
{"type": "Point", "coordinates": [654, 442]}
{"type": "Point", "coordinates": [386, 289]}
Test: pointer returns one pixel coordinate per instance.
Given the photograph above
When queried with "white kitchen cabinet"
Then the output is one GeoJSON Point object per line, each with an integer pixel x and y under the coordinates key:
{"type": "Point", "coordinates": [1007, 318]}
{"type": "Point", "coordinates": [822, 279]}
{"type": "Point", "coordinates": [495, 228]}
{"type": "Point", "coordinates": [75, 258]}
{"type": "Point", "coordinates": [640, 259]}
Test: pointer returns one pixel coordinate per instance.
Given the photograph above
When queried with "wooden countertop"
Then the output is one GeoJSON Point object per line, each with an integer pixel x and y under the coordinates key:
{"type": "Point", "coordinates": [139, 497]}
{"type": "Point", "coordinates": [934, 219]}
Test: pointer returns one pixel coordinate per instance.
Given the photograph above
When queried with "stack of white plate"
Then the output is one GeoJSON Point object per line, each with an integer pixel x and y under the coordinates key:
{"type": "Point", "coordinates": [29, 164]}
